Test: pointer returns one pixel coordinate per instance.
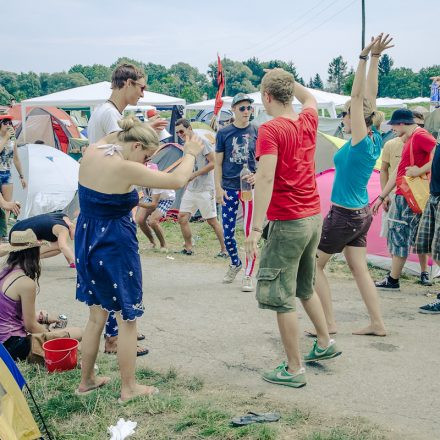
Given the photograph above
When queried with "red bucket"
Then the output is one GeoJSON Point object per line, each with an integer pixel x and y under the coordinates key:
{"type": "Point", "coordinates": [61, 354]}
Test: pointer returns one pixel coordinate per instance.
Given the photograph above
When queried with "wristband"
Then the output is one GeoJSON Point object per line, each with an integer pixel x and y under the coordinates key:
{"type": "Point", "coordinates": [376, 55]}
{"type": "Point", "coordinates": [254, 228]}
{"type": "Point", "coordinates": [381, 198]}
{"type": "Point", "coordinates": [363, 57]}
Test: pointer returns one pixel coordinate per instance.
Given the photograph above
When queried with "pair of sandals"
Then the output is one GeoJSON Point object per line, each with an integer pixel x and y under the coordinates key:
{"type": "Point", "coordinates": [140, 351]}
{"type": "Point", "coordinates": [254, 417]}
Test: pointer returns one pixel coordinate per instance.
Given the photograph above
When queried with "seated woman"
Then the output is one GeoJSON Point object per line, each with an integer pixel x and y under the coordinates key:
{"type": "Point", "coordinates": [55, 228]}
{"type": "Point", "coordinates": [18, 289]}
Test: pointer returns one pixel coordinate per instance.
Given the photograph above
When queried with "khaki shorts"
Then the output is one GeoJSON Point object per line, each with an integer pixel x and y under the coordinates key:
{"type": "Point", "coordinates": [288, 262]}
{"type": "Point", "coordinates": [202, 201]}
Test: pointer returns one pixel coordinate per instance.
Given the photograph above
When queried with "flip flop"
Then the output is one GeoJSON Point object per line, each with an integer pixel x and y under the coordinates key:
{"type": "Point", "coordinates": [140, 337]}
{"type": "Point", "coordinates": [140, 351]}
{"type": "Point", "coordinates": [123, 402]}
{"type": "Point", "coordinates": [313, 335]}
{"type": "Point", "coordinates": [253, 417]}
{"type": "Point", "coordinates": [105, 381]}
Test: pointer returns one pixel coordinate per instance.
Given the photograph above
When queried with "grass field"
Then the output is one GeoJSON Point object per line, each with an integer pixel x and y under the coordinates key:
{"type": "Point", "coordinates": [184, 409]}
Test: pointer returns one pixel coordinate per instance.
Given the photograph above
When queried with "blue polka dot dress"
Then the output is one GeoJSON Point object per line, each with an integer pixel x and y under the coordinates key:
{"type": "Point", "coordinates": [107, 253]}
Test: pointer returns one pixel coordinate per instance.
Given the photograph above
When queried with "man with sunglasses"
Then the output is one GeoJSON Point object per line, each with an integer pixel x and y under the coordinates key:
{"type": "Point", "coordinates": [128, 86]}
{"type": "Point", "coordinates": [199, 194]}
{"type": "Point", "coordinates": [235, 147]}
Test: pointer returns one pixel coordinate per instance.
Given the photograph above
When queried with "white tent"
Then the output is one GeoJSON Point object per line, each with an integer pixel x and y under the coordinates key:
{"type": "Point", "coordinates": [52, 180]}
{"type": "Point", "coordinates": [390, 102]}
{"type": "Point", "coordinates": [416, 100]}
{"type": "Point", "coordinates": [326, 100]}
{"type": "Point", "coordinates": [92, 96]}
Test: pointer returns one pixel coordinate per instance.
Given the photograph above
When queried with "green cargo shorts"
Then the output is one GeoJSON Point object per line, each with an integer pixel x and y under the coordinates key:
{"type": "Point", "coordinates": [287, 263]}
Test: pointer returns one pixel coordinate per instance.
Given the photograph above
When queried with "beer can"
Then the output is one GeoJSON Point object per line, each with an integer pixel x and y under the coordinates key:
{"type": "Point", "coordinates": [62, 322]}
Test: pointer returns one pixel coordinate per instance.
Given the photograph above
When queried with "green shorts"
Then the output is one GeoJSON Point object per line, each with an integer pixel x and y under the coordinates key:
{"type": "Point", "coordinates": [288, 262]}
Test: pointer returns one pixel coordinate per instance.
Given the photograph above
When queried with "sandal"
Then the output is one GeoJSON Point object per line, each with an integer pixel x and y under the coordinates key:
{"type": "Point", "coordinates": [253, 417]}
{"type": "Point", "coordinates": [140, 337]}
{"type": "Point", "coordinates": [140, 351]}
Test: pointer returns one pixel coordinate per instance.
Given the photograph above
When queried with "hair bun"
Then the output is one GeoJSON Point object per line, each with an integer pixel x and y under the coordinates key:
{"type": "Point", "coordinates": [128, 123]}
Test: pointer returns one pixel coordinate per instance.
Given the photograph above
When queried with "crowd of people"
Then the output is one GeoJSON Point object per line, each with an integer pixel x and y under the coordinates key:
{"type": "Point", "coordinates": [283, 209]}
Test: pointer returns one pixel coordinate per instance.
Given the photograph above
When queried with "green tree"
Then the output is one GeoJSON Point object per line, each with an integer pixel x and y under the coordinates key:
{"type": "Point", "coordinates": [28, 86]}
{"type": "Point", "coordinates": [155, 72]}
{"type": "Point", "coordinates": [95, 73]}
{"type": "Point", "coordinates": [257, 69]}
{"type": "Point", "coordinates": [237, 76]}
{"type": "Point", "coordinates": [385, 64]}
{"type": "Point", "coordinates": [317, 82]}
{"type": "Point", "coordinates": [311, 84]}
{"type": "Point", "coordinates": [8, 80]}
{"type": "Point", "coordinates": [400, 83]}
{"type": "Point", "coordinates": [123, 60]}
{"type": "Point", "coordinates": [425, 83]}
{"type": "Point", "coordinates": [5, 96]}
{"type": "Point", "coordinates": [191, 93]}
{"type": "Point", "coordinates": [337, 71]}
{"type": "Point", "coordinates": [56, 82]}
{"type": "Point", "coordinates": [189, 75]}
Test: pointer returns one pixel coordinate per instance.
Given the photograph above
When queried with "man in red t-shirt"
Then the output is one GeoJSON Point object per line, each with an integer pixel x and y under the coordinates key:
{"type": "Point", "coordinates": [285, 190]}
{"type": "Point", "coordinates": [403, 222]}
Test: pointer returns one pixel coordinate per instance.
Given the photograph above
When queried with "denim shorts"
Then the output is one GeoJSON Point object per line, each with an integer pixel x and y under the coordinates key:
{"type": "Point", "coordinates": [5, 178]}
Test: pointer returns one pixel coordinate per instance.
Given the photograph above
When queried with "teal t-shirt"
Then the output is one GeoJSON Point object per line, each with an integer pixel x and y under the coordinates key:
{"type": "Point", "coordinates": [354, 166]}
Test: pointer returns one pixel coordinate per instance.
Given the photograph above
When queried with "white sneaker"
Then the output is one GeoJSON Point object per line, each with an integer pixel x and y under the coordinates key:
{"type": "Point", "coordinates": [231, 274]}
{"type": "Point", "coordinates": [246, 284]}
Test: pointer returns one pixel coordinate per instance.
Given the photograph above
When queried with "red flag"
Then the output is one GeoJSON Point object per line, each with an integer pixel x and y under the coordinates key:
{"type": "Point", "coordinates": [221, 86]}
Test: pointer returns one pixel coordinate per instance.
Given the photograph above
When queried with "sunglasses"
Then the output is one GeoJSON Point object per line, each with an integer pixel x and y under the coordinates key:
{"type": "Point", "coordinates": [245, 107]}
{"type": "Point", "coordinates": [421, 125]}
{"type": "Point", "coordinates": [180, 132]}
{"type": "Point", "coordinates": [343, 114]}
{"type": "Point", "coordinates": [6, 122]}
{"type": "Point", "coordinates": [142, 86]}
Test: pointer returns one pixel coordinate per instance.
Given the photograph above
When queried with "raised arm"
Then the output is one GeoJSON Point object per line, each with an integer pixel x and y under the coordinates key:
{"type": "Point", "coordinates": [305, 97]}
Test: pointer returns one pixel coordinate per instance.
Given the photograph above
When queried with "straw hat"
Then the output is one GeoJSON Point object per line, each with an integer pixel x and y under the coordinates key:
{"type": "Point", "coordinates": [22, 240]}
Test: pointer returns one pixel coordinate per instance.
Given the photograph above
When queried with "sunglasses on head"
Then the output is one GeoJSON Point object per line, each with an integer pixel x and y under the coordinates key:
{"type": "Point", "coordinates": [142, 86]}
{"type": "Point", "coordinates": [245, 107]}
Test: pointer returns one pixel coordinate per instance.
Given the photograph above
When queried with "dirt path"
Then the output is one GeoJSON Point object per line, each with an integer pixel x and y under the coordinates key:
{"type": "Point", "coordinates": [214, 331]}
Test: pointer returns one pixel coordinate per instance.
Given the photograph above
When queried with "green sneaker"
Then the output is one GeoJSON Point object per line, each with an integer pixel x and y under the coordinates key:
{"type": "Point", "coordinates": [281, 376]}
{"type": "Point", "coordinates": [319, 354]}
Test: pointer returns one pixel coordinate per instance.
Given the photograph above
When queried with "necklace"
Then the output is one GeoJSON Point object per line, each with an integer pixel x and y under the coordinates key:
{"type": "Point", "coordinates": [114, 105]}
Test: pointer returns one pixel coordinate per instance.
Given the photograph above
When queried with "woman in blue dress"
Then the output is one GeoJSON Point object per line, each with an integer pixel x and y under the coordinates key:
{"type": "Point", "coordinates": [106, 248]}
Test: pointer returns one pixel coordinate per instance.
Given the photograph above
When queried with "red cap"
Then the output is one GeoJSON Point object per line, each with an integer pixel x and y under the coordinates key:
{"type": "Point", "coordinates": [3, 117]}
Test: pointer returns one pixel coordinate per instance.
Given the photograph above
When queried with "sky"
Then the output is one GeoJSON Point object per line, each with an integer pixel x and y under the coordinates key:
{"type": "Point", "coordinates": [53, 35]}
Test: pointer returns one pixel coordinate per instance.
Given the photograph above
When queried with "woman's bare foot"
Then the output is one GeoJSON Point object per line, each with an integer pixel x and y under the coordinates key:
{"type": "Point", "coordinates": [312, 333]}
{"type": "Point", "coordinates": [91, 385]}
{"type": "Point", "coordinates": [111, 345]}
{"type": "Point", "coordinates": [137, 391]}
{"type": "Point", "coordinates": [371, 331]}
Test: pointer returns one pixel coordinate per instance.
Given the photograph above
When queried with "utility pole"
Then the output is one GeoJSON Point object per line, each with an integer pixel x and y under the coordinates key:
{"type": "Point", "coordinates": [363, 24]}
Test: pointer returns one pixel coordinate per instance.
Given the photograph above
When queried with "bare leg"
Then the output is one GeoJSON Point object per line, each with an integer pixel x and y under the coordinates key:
{"type": "Point", "coordinates": [357, 261]}
{"type": "Point", "coordinates": [397, 264]}
{"type": "Point", "coordinates": [154, 223]}
{"type": "Point", "coordinates": [89, 349]}
{"type": "Point", "coordinates": [141, 219]}
{"type": "Point", "coordinates": [215, 224]}
{"type": "Point", "coordinates": [313, 308]}
{"type": "Point", "coordinates": [185, 228]}
{"type": "Point", "coordinates": [322, 288]}
{"type": "Point", "coordinates": [7, 191]}
{"type": "Point", "coordinates": [289, 331]}
{"type": "Point", "coordinates": [127, 360]}
{"type": "Point", "coordinates": [423, 260]}
{"type": "Point", "coordinates": [48, 251]}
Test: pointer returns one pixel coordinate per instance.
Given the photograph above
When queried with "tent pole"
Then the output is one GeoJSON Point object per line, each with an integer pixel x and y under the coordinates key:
{"type": "Point", "coordinates": [39, 413]}
{"type": "Point", "coordinates": [23, 120]}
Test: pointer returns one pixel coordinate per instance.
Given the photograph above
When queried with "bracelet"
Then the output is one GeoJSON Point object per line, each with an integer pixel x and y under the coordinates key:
{"type": "Point", "coordinates": [363, 57]}
{"type": "Point", "coordinates": [254, 228]}
{"type": "Point", "coordinates": [377, 55]}
{"type": "Point", "coordinates": [381, 198]}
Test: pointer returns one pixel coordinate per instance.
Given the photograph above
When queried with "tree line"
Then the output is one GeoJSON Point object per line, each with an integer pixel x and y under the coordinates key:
{"type": "Point", "coordinates": [185, 81]}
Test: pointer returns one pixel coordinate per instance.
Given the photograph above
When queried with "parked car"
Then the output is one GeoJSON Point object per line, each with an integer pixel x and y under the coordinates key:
{"type": "Point", "coordinates": [206, 116]}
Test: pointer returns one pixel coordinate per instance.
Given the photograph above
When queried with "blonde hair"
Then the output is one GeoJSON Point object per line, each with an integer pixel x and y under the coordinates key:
{"type": "Point", "coordinates": [378, 119]}
{"type": "Point", "coordinates": [368, 110]}
{"type": "Point", "coordinates": [279, 84]}
{"type": "Point", "coordinates": [133, 130]}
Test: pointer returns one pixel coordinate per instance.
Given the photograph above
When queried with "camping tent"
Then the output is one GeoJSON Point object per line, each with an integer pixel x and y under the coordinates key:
{"type": "Point", "coordinates": [52, 180]}
{"type": "Point", "coordinates": [16, 420]}
{"type": "Point", "coordinates": [390, 102]}
{"type": "Point", "coordinates": [93, 95]}
{"type": "Point", "coordinates": [51, 125]}
{"type": "Point", "coordinates": [377, 250]}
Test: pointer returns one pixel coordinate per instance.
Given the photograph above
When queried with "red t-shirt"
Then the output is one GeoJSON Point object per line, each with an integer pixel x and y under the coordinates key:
{"type": "Point", "coordinates": [422, 144]}
{"type": "Point", "coordinates": [295, 194]}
